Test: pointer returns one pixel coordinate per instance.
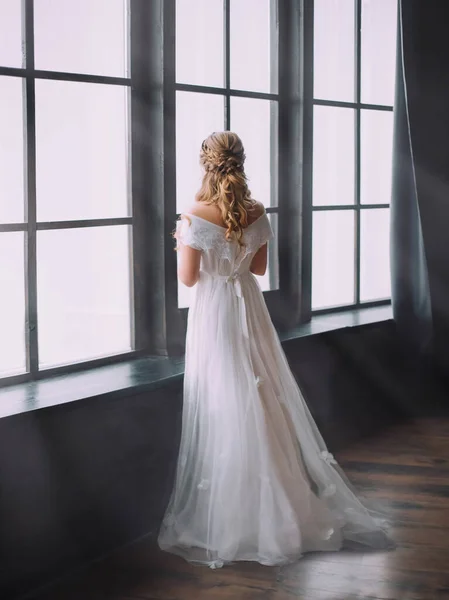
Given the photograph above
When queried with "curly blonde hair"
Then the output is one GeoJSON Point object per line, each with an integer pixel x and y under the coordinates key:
{"type": "Point", "coordinates": [224, 182]}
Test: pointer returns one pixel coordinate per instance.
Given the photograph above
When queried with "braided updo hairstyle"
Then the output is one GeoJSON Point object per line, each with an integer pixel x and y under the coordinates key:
{"type": "Point", "coordinates": [224, 182]}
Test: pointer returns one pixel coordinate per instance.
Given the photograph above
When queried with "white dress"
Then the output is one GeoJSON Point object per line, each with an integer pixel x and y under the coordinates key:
{"type": "Point", "coordinates": [254, 479]}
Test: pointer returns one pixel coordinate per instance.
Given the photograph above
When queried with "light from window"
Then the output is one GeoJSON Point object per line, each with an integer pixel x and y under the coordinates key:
{"type": "Point", "coordinates": [200, 42]}
{"type": "Point", "coordinates": [197, 115]}
{"type": "Point", "coordinates": [375, 281]}
{"type": "Point", "coordinates": [334, 154]}
{"type": "Point", "coordinates": [64, 183]}
{"type": "Point", "coordinates": [83, 294]}
{"type": "Point", "coordinates": [247, 61]}
{"type": "Point", "coordinates": [253, 50]}
{"type": "Point", "coordinates": [334, 50]}
{"type": "Point", "coordinates": [82, 36]}
{"type": "Point", "coordinates": [376, 155]}
{"type": "Point", "coordinates": [254, 120]}
{"type": "Point", "coordinates": [81, 151]}
{"type": "Point", "coordinates": [12, 313]}
{"type": "Point", "coordinates": [11, 33]}
{"type": "Point", "coordinates": [333, 258]}
{"type": "Point", "coordinates": [11, 150]}
{"type": "Point", "coordinates": [354, 73]}
{"type": "Point", "coordinates": [378, 51]}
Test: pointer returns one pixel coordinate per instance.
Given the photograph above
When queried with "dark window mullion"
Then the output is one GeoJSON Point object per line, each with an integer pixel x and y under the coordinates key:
{"type": "Point", "coordinates": [227, 62]}
{"type": "Point", "coordinates": [30, 194]}
{"type": "Point", "coordinates": [12, 72]}
{"type": "Point", "coordinates": [6, 227]}
{"type": "Point", "coordinates": [343, 104]}
{"type": "Point", "coordinates": [75, 224]}
{"type": "Point", "coordinates": [327, 207]}
{"type": "Point", "coordinates": [358, 77]}
{"type": "Point", "coordinates": [152, 116]}
{"type": "Point", "coordinates": [331, 207]}
{"type": "Point", "coordinates": [274, 116]}
{"type": "Point", "coordinates": [82, 78]}
{"type": "Point", "coordinates": [224, 91]}
{"type": "Point", "coordinates": [63, 76]}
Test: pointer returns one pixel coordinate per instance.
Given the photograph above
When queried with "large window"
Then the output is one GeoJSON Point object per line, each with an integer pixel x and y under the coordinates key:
{"type": "Point", "coordinates": [227, 79]}
{"type": "Point", "coordinates": [65, 209]}
{"type": "Point", "coordinates": [354, 72]}
{"type": "Point", "coordinates": [103, 108]}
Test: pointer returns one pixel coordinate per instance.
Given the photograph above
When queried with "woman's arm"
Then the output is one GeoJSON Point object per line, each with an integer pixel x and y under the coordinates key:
{"type": "Point", "coordinates": [189, 258]}
{"type": "Point", "coordinates": [259, 262]}
{"type": "Point", "coordinates": [189, 265]}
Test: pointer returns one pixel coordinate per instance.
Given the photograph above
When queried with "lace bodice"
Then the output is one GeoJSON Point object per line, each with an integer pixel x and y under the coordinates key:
{"type": "Point", "coordinates": [221, 256]}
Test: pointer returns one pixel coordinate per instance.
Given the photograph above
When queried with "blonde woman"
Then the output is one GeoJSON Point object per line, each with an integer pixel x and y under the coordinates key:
{"type": "Point", "coordinates": [254, 479]}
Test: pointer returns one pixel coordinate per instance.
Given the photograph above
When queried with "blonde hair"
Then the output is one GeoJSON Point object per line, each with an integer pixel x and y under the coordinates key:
{"type": "Point", "coordinates": [224, 182]}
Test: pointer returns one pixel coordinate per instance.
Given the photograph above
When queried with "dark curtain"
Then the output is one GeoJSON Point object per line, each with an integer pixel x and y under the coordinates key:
{"type": "Point", "coordinates": [420, 195]}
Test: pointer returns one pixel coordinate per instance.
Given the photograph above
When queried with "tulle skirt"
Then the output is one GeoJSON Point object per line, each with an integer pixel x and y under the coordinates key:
{"type": "Point", "coordinates": [254, 479]}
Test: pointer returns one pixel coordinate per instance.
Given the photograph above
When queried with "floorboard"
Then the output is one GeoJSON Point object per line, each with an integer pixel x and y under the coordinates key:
{"type": "Point", "coordinates": [407, 468]}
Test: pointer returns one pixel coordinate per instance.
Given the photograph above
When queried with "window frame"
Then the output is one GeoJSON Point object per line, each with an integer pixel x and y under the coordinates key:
{"type": "Point", "coordinates": [357, 105]}
{"type": "Point", "coordinates": [287, 304]}
{"type": "Point", "coordinates": [227, 92]}
{"type": "Point", "coordinates": [158, 325]}
{"type": "Point", "coordinates": [30, 226]}
{"type": "Point", "coordinates": [157, 322]}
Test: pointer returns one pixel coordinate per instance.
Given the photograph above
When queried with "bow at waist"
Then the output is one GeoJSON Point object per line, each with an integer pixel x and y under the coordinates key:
{"type": "Point", "coordinates": [234, 279]}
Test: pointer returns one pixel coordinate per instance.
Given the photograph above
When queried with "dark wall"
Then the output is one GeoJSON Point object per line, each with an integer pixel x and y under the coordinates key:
{"type": "Point", "coordinates": [81, 479]}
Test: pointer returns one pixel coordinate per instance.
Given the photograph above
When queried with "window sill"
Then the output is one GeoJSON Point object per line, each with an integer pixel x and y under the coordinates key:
{"type": "Point", "coordinates": [144, 374]}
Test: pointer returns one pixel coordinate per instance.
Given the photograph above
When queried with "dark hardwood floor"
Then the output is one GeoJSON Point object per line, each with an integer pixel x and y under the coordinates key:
{"type": "Point", "coordinates": [407, 467]}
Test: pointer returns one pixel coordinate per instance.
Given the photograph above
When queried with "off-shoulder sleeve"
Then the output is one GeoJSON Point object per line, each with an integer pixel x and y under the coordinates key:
{"type": "Point", "coordinates": [188, 234]}
{"type": "Point", "coordinates": [265, 230]}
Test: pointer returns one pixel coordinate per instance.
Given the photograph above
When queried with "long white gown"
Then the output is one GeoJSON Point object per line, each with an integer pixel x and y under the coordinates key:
{"type": "Point", "coordinates": [254, 478]}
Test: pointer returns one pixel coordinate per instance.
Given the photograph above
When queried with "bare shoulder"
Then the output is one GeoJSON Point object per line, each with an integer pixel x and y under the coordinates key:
{"type": "Point", "coordinates": [196, 209]}
{"type": "Point", "coordinates": [209, 212]}
{"type": "Point", "coordinates": [205, 211]}
{"type": "Point", "coordinates": [257, 210]}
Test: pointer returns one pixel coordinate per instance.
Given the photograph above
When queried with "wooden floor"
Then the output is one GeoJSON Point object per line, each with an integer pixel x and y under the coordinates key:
{"type": "Point", "coordinates": [407, 467]}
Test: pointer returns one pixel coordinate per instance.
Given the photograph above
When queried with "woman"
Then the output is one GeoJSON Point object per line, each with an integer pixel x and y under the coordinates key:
{"type": "Point", "coordinates": [254, 479]}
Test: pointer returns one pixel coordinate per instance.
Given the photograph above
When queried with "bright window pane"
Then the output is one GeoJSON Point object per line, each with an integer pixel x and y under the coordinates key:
{"type": "Point", "coordinates": [334, 50]}
{"type": "Point", "coordinates": [199, 42]}
{"type": "Point", "coordinates": [376, 156]}
{"type": "Point", "coordinates": [82, 150]}
{"type": "Point", "coordinates": [197, 116]}
{"type": "Point", "coordinates": [256, 122]}
{"type": "Point", "coordinates": [11, 33]}
{"type": "Point", "coordinates": [333, 258]}
{"type": "Point", "coordinates": [12, 313]}
{"type": "Point", "coordinates": [333, 156]}
{"type": "Point", "coordinates": [375, 281]}
{"type": "Point", "coordinates": [254, 45]}
{"type": "Point", "coordinates": [82, 36]}
{"type": "Point", "coordinates": [11, 150]}
{"type": "Point", "coordinates": [83, 294]}
{"type": "Point", "coordinates": [378, 37]}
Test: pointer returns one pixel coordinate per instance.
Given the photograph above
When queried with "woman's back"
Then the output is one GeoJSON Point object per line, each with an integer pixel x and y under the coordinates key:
{"type": "Point", "coordinates": [212, 213]}
{"type": "Point", "coordinates": [201, 230]}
